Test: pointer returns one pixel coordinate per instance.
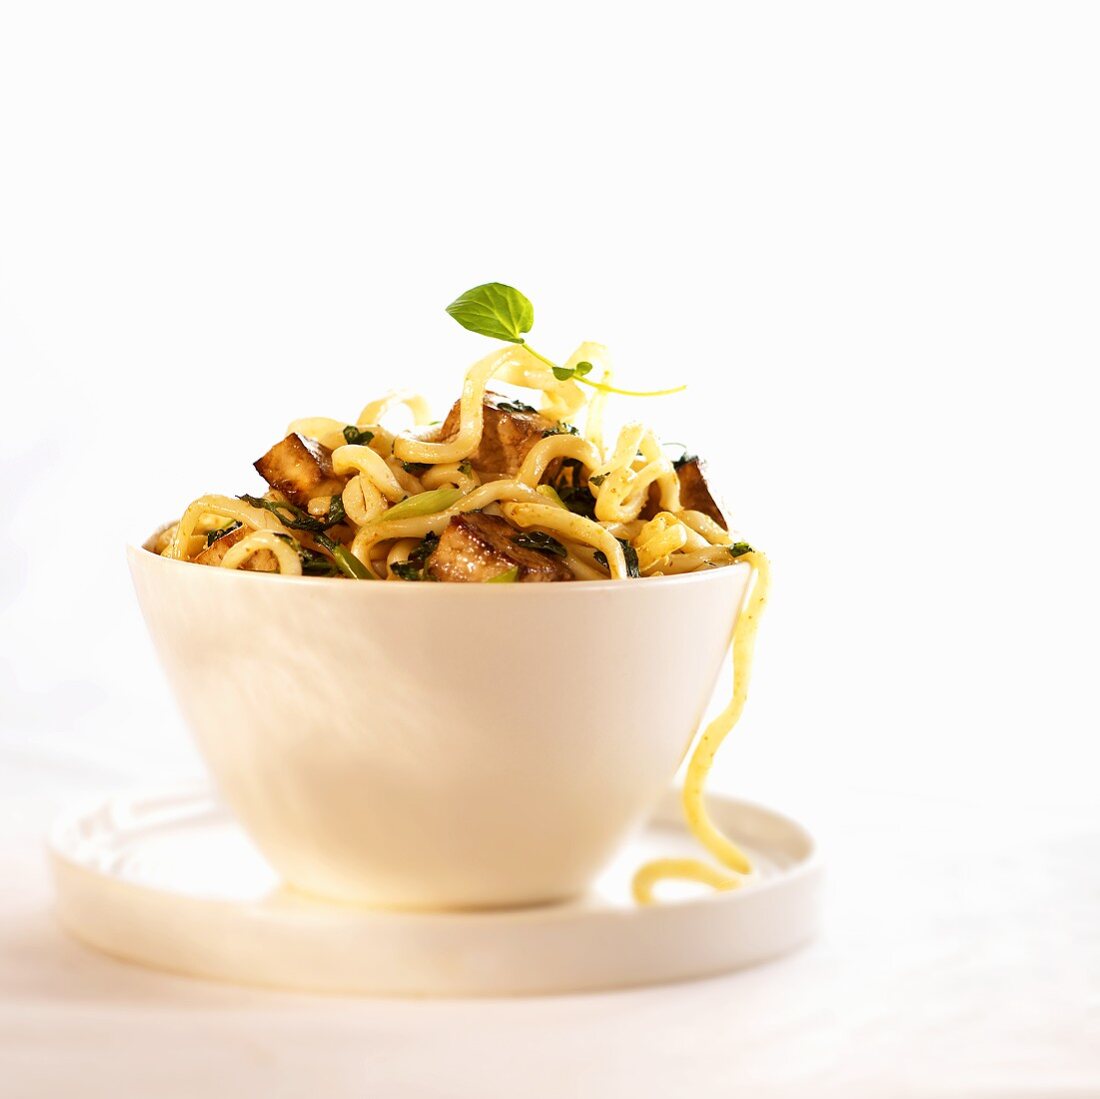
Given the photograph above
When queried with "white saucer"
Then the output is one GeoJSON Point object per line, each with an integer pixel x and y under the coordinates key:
{"type": "Point", "coordinates": [168, 880]}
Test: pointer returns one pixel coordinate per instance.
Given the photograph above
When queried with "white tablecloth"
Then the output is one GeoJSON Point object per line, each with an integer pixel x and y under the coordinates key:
{"type": "Point", "coordinates": [959, 958]}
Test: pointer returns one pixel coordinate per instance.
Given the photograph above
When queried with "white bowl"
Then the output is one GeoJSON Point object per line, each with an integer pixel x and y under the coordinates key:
{"type": "Point", "coordinates": [439, 746]}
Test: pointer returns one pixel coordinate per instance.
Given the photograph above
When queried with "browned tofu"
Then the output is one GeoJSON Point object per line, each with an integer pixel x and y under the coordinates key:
{"type": "Point", "coordinates": [476, 547]}
{"type": "Point", "coordinates": [694, 494]}
{"type": "Point", "coordinates": [507, 437]}
{"type": "Point", "coordinates": [300, 469]}
{"type": "Point", "coordinates": [261, 561]}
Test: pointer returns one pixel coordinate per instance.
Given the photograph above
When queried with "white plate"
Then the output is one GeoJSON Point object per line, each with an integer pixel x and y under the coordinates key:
{"type": "Point", "coordinates": [169, 880]}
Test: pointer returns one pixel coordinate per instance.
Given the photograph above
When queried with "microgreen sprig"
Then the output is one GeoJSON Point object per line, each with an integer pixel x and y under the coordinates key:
{"type": "Point", "coordinates": [502, 312]}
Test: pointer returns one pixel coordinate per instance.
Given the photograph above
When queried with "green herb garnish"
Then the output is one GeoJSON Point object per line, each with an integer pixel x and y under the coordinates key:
{"type": "Point", "coordinates": [296, 519]}
{"type": "Point", "coordinates": [597, 479]}
{"type": "Point", "coordinates": [355, 436]}
{"type": "Point", "coordinates": [502, 312]}
{"type": "Point", "coordinates": [629, 552]}
{"type": "Point", "coordinates": [561, 428]}
{"type": "Point", "coordinates": [543, 543]}
{"type": "Point", "coordinates": [515, 406]}
{"type": "Point", "coordinates": [739, 549]}
{"type": "Point", "coordinates": [313, 563]}
{"type": "Point", "coordinates": [564, 373]}
{"type": "Point", "coordinates": [415, 468]}
{"type": "Point", "coordinates": [494, 309]}
{"type": "Point", "coordinates": [571, 492]}
{"type": "Point", "coordinates": [214, 535]}
{"type": "Point", "coordinates": [413, 567]}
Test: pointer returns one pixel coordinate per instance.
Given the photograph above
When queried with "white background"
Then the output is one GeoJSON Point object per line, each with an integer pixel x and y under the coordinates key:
{"type": "Point", "coordinates": [865, 235]}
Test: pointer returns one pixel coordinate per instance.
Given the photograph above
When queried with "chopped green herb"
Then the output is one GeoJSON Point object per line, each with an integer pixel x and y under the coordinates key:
{"type": "Point", "coordinates": [572, 492]}
{"type": "Point", "coordinates": [214, 535]}
{"type": "Point", "coordinates": [415, 468]}
{"type": "Point", "coordinates": [297, 519]}
{"type": "Point", "coordinates": [739, 549]}
{"type": "Point", "coordinates": [313, 563]}
{"type": "Point", "coordinates": [413, 568]}
{"type": "Point", "coordinates": [629, 552]}
{"type": "Point", "coordinates": [597, 479]}
{"type": "Point", "coordinates": [561, 428]}
{"type": "Point", "coordinates": [515, 406]}
{"type": "Point", "coordinates": [536, 540]}
{"type": "Point", "coordinates": [355, 436]}
{"type": "Point", "coordinates": [465, 468]}
{"type": "Point", "coordinates": [294, 517]}
{"type": "Point", "coordinates": [577, 499]}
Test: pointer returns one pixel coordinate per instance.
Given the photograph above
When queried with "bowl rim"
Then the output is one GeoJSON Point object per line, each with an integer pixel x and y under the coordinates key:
{"type": "Point", "coordinates": [140, 551]}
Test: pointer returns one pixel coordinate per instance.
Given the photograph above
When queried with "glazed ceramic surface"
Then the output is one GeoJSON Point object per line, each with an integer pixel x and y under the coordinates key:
{"type": "Point", "coordinates": [167, 879]}
{"type": "Point", "coordinates": [439, 746]}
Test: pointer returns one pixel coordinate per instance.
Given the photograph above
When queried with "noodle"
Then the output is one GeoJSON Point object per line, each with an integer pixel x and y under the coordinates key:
{"type": "Point", "coordinates": [713, 839]}
{"type": "Point", "coordinates": [289, 564]}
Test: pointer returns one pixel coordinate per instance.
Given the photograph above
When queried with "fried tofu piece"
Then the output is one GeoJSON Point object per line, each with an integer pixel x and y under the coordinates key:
{"type": "Point", "coordinates": [300, 469]}
{"type": "Point", "coordinates": [508, 435]}
{"type": "Point", "coordinates": [476, 547]}
{"type": "Point", "coordinates": [261, 561]}
{"type": "Point", "coordinates": [694, 494]}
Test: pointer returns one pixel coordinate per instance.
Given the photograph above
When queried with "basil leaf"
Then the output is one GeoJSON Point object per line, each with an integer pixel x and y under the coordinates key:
{"type": "Point", "coordinates": [494, 309]}
{"type": "Point", "coordinates": [537, 540]}
{"type": "Point", "coordinates": [739, 549]}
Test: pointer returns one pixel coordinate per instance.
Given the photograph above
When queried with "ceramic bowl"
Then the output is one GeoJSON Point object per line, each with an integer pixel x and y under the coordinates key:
{"type": "Point", "coordinates": [439, 746]}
